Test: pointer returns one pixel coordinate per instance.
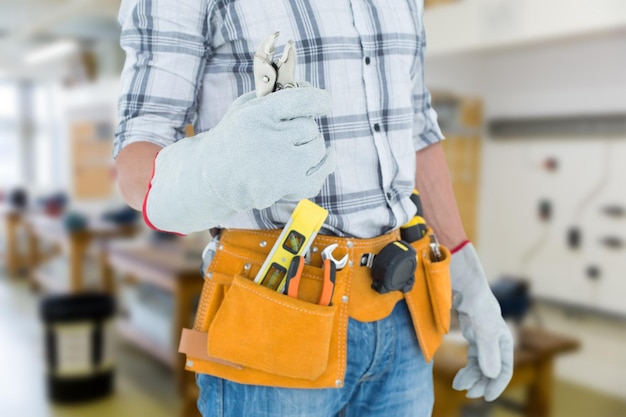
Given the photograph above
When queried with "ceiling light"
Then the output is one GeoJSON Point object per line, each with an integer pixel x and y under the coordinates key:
{"type": "Point", "coordinates": [51, 51]}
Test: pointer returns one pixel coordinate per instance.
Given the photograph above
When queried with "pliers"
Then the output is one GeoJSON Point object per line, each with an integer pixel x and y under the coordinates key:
{"type": "Point", "coordinates": [270, 76]}
{"type": "Point", "coordinates": [329, 267]}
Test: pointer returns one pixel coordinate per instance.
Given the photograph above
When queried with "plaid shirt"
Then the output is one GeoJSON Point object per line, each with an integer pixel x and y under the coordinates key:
{"type": "Point", "coordinates": [187, 60]}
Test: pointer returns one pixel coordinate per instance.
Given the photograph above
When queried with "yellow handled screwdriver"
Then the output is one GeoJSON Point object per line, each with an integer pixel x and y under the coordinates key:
{"type": "Point", "coordinates": [416, 228]}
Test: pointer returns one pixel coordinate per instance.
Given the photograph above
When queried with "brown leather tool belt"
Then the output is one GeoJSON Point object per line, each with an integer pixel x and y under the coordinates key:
{"type": "Point", "coordinates": [250, 334]}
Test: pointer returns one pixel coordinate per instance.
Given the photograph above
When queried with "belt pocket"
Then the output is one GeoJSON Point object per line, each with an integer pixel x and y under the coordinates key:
{"type": "Point", "coordinates": [264, 330]}
{"type": "Point", "coordinates": [439, 287]}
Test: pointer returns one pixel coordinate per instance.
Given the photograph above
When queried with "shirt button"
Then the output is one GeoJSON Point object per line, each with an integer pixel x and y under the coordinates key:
{"type": "Point", "coordinates": [388, 195]}
{"type": "Point", "coordinates": [367, 60]}
{"type": "Point", "coordinates": [377, 127]}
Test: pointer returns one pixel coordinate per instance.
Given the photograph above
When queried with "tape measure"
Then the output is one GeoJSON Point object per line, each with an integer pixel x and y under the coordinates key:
{"type": "Point", "coordinates": [295, 239]}
{"type": "Point", "coordinates": [394, 268]}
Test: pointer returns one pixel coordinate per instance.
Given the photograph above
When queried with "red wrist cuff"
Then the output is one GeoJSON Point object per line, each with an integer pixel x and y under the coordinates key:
{"type": "Point", "coordinates": [459, 247]}
{"type": "Point", "coordinates": [145, 202]}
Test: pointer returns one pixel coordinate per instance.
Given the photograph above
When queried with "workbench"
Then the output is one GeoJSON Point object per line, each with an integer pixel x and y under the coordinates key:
{"type": "Point", "coordinates": [173, 266]}
{"type": "Point", "coordinates": [533, 370]}
{"type": "Point", "coordinates": [74, 244]}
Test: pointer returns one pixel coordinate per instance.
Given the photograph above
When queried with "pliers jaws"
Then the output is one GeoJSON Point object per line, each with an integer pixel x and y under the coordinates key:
{"type": "Point", "coordinates": [270, 76]}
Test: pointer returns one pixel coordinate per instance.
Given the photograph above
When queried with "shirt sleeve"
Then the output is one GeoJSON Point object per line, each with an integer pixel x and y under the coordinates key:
{"type": "Point", "coordinates": [426, 130]}
{"type": "Point", "coordinates": [166, 49]}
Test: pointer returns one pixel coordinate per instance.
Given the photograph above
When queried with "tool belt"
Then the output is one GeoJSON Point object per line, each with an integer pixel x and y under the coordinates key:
{"type": "Point", "coordinates": [250, 334]}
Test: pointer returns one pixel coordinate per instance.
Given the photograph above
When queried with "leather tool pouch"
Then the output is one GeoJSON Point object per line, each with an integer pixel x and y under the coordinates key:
{"type": "Point", "coordinates": [250, 334]}
{"type": "Point", "coordinates": [430, 300]}
{"type": "Point", "coordinates": [261, 329]}
{"type": "Point", "coordinates": [439, 289]}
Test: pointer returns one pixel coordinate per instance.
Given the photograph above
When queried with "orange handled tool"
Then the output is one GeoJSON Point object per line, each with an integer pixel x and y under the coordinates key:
{"type": "Point", "coordinates": [330, 265]}
{"type": "Point", "coordinates": [328, 284]}
{"type": "Point", "coordinates": [294, 274]}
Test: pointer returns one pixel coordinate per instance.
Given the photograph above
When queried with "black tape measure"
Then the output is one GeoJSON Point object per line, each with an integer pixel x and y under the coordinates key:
{"type": "Point", "coordinates": [394, 268]}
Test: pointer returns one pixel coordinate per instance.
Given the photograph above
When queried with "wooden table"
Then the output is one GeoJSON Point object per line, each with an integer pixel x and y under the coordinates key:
{"type": "Point", "coordinates": [174, 267]}
{"type": "Point", "coordinates": [75, 244]}
{"type": "Point", "coordinates": [533, 369]}
{"type": "Point", "coordinates": [15, 260]}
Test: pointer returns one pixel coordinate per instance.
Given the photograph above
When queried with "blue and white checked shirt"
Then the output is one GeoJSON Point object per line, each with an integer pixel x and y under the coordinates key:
{"type": "Point", "coordinates": [187, 60]}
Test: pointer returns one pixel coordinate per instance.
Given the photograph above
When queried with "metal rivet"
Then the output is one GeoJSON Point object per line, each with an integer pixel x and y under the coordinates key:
{"type": "Point", "coordinates": [266, 79]}
{"type": "Point", "coordinates": [345, 299]}
{"type": "Point", "coordinates": [349, 244]}
{"type": "Point", "coordinates": [190, 363]}
{"type": "Point", "coordinates": [209, 275]}
{"type": "Point", "coordinates": [263, 244]}
{"type": "Point", "coordinates": [350, 264]}
{"type": "Point", "coordinates": [339, 382]}
{"type": "Point", "coordinates": [315, 249]}
{"type": "Point", "coordinates": [247, 266]}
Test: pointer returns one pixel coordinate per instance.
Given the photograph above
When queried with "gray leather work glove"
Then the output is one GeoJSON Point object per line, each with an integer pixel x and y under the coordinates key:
{"type": "Point", "coordinates": [490, 355]}
{"type": "Point", "coordinates": [263, 150]}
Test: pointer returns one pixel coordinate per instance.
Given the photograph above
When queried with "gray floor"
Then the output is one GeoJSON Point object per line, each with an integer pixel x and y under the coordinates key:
{"type": "Point", "coordinates": [146, 388]}
{"type": "Point", "coordinates": [143, 386]}
{"type": "Point", "coordinates": [570, 400]}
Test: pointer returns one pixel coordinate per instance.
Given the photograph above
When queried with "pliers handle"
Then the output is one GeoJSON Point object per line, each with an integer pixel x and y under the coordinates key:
{"type": "Point", "coordinates": [270, 76]}
{"type": "Point", "coordinates": [294, 276]}
{"type": "Point", "coordinates": [328, 284]}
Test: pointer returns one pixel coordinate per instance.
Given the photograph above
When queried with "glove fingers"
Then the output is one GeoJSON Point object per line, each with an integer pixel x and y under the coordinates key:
{"type": "Point", "coordinates": [292, 103]}
{"type": "Point", "coordinates": [315, 178]}
{"type": "Point", "coordinates": [306, 134]}
{"type": "Point", "coordinates": [489, 355]}
{"type": "Point", "coordinates": [309, 157]}
{"type": "Point", "coordinates": [478, 390]}
{"type": "Point", "coordinates": [497, 385]}
{"type": "Point", "coordinates": [467, 377]}
{"type": "Point", "coordinates": [324, 167]}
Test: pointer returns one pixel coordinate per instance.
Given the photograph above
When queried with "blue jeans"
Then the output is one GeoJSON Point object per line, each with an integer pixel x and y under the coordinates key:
{"type": "Point", "coordinates": [386, 376]}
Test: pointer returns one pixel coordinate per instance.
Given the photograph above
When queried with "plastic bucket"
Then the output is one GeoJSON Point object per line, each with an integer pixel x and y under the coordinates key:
{"type": "Point", "coordinates": [79, 346]}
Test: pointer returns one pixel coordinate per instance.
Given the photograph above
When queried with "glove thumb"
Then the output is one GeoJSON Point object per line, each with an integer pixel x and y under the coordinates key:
{"type": "Point", "coordinates": [489, 358]}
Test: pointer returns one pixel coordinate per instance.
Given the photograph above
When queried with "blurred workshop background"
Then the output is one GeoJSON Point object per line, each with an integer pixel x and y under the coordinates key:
{"type": "Point", "coordinates": [531, 95]}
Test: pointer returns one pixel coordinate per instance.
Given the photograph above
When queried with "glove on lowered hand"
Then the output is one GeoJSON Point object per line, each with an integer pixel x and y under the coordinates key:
{"type": "Point", "coordinates": [263, 150]}
{"type": "Point", "coordinates": [490, 355]}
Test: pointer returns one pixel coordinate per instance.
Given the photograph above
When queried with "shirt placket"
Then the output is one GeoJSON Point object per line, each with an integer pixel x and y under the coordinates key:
{"type": "Point", "coordinates": [374, 83]}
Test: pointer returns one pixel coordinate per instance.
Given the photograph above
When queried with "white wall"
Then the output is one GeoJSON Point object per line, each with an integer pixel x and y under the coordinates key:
{"type": "Point", "coordinates": [577, 76]}
{"type": "Point", "coordinates": [513, 183]}
{"type": "Point", "coordinates": [584, 76]}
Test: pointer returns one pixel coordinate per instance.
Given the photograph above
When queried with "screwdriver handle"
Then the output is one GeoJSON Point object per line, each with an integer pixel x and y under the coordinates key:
{"type": "Point", "coordinates": [416, 228]}
{"type": "Point", "coordinates": [415, 198]}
